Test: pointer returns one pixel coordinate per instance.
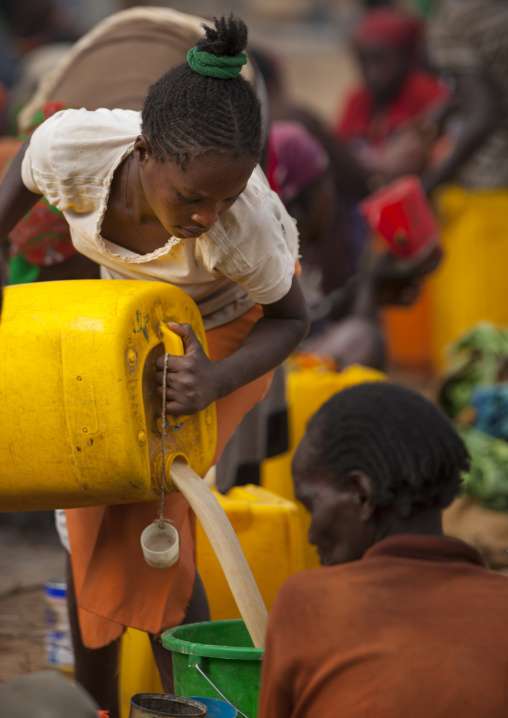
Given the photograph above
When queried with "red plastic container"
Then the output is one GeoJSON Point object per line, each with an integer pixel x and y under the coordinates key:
{"type": "Point", "coordinates": [402, 215]}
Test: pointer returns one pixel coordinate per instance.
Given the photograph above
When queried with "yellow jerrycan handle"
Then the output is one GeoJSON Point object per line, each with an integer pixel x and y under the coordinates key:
{"type": "Point", "coordinates": [173, 345]}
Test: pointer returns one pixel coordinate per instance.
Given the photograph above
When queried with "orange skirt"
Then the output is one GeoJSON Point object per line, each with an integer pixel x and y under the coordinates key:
{"type": "Point", "coordinates": [114, 585]}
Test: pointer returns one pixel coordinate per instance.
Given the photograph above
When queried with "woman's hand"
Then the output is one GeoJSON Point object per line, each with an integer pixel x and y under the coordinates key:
{"type": "Point", "coordinates": [193, 381]}
{"type": "Point", "coordinates": [398, 280]}
{"type": "Point", "coordinates": [404, 153]}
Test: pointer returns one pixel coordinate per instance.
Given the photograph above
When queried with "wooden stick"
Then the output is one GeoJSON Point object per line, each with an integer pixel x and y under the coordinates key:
{"type": "Point", "coordinates": [227, 548]}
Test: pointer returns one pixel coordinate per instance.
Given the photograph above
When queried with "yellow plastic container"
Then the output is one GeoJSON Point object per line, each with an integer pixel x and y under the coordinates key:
{"type": "Point", "coordinates": [470, 285]}
{"type": "Point", "coordinates": [138, 670]}
{"type": "Point", "coordinates": [80, 418]}
{"type": "Point", "coordinates": [269, 532]}
{"type": "Point", "coordinates": [307, 389]}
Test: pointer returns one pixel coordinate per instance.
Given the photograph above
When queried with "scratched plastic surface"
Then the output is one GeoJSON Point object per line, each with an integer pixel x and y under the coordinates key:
{"type": "Point", "coordinates": [79, 414]}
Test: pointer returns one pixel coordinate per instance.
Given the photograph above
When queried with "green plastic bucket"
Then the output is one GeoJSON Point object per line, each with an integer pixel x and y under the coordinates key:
{"type": "Point", "coordinates": [216, 659]}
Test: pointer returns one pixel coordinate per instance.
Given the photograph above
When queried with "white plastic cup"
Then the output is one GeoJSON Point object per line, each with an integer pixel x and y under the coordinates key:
{"type": "Point", "coordinates": [160, 544]}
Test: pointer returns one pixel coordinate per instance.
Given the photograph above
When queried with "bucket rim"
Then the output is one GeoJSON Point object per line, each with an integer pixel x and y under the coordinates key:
{"type": "Point", "coordinates": [171, 641]}
{"type": "Point", "coordinates": [191, 702]}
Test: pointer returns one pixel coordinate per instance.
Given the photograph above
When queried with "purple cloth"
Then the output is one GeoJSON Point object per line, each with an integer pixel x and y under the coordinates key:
{"type": "Point", "coordinates": [299, 158]}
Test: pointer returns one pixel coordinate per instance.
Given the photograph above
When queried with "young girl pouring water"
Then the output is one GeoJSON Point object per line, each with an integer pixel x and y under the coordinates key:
{"type": "Point", "coordinates": [173, 194]}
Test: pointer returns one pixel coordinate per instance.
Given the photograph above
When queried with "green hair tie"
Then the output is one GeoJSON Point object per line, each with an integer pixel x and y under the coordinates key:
{"type": "Point", "coordinates": [222, 68]}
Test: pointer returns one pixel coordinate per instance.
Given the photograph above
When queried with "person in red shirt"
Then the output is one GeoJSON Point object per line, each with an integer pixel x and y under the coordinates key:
{"type": "Point", "coordinates": [379, 118]}
{"type": "Point", "coordinates": [400, 620]}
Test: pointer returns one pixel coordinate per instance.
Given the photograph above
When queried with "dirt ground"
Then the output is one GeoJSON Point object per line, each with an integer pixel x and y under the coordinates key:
{"type": "Point", "coordinates": [22, 631]}
{"type": "Point", "coordinates": [28, 558]}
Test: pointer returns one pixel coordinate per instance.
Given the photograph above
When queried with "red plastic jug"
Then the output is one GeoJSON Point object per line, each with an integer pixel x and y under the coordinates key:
{"type": "Point", "coordinates": [402, 215]}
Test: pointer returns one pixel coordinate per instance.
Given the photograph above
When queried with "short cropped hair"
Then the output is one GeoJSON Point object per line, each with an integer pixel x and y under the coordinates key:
{"type": "Point", "coordinates": [404, 443]}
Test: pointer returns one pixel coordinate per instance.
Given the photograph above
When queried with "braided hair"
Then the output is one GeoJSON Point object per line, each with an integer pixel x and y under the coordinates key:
{"type": "Point", "coordinates": [407, 447]}
{"type": "Point", "coordinates": [187, 114]}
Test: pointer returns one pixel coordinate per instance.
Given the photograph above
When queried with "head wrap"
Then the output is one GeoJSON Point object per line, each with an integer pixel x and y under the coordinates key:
{"type": "Point", "coordinates": [299, 158]}
{"type": "Point", "coordinates": [387, 26]}
{"type": "Point", "coordinates": [210, 65]}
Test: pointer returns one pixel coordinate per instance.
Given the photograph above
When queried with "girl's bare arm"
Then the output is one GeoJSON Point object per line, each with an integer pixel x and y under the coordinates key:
{"type": "Point", "coordinates": [194, 381]}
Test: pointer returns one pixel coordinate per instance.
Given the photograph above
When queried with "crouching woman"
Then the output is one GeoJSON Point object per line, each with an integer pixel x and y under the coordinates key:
{"type": "Point", "coordinates": [400, 620]}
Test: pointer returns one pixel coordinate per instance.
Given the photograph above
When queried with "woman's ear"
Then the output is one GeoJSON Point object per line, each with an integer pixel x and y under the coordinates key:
{"type": "Point", "coordinates": [142, 149]}
{"type": "Point", "coordinates": [362, 488]}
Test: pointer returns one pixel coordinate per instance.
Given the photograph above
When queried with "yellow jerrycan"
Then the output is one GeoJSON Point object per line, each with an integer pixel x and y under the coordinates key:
{"type": "Point", "coordinates": [80, 417]}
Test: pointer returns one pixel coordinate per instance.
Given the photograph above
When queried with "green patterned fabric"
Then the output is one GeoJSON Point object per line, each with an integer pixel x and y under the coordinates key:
{"type": "Point", "coordinates": [478, 360]}
{"type": "Point", "coordinates": [209, 65]}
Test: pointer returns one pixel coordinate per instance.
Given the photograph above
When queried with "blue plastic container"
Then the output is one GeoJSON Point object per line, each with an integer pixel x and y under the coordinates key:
{"type": "Point", "coordinates": [216, 707]}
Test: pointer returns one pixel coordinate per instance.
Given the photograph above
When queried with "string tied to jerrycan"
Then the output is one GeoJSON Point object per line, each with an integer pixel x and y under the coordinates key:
{"type": "Point", "coordinates": [160, 541]}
